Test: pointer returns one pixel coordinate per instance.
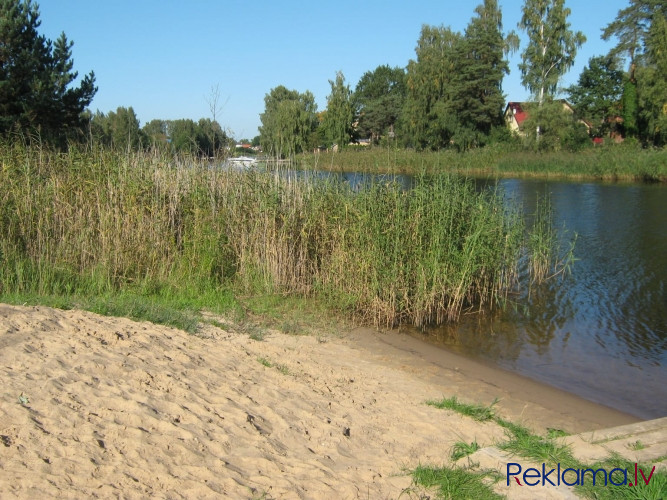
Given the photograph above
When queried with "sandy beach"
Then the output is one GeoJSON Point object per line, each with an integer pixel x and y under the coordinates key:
{"type": "Point", "coordinates": [100, 407]}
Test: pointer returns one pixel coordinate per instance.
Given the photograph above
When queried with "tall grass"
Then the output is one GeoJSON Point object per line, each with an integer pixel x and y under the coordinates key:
{"type": "Point", "coordinates": [97, 222]}
{"type": "Point", "coordinates": [613, 162]}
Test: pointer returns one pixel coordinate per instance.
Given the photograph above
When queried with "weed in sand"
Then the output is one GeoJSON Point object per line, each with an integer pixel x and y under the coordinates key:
{"type": "Point", "coordinates": [461, 449]}
{"type": "Point", "coordinates": [265, 362]}
{"type": "Point", "coordinates": [637, 445]}
{"type": "Point", "coordinates": [478, 412]}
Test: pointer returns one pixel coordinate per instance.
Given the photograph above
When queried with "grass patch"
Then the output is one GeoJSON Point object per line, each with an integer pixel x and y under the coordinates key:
{"type": "Point", "coordinates": [524, 443]}
{"type": "Point", "coordinates": [453, 483]}
{"type": "Point", "coordinates": [478, 412]}
{"type": "Point", "coordinates": [637, 445]}
{"type": "Point", "coordinates": [655, 490]}
{"type": "Point", "coordinates": [461, 449]}
{"type": "Point", "coordinates": [265, 362]}
{"type": "Point", "coordinates": [529, 445]}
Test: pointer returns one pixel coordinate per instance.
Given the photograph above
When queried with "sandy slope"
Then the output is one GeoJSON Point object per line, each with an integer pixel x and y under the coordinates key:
{"type": "Point", "coordinates": [123, 409]}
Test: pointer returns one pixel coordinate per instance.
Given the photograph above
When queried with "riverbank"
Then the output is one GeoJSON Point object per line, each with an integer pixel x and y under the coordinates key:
{"type": "Point", "coordinates": [96, 406]}
{"type": "Point", "coordinates": [612, 163]}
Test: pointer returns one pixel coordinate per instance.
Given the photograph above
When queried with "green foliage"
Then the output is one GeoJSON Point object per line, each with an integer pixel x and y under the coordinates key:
{"type": "Point", "coordinates": [119, 129]}
{"type": "Point", "coordinates": [288, 122]}
{"type": "Point", "coordinates": [454, 483]}
{"type": "Point", "coordinates": [631, 27]}
{"type": "Point", "coordinates": [36, 76]}
{"type": "Point", "coordinates": [477, 99]}
{"type": "Point", "coordinates": [156, 134]}
{"type": "Point", "coordinates": [630, 108]}
{"type": "Point", "coordinates": [477, 412]}
{"type": "Point", "coordinates": [641, 32]}
{"type": "Point", "coordinates": [597, 94]}
{"type": "Point", "coordinates": [428, 124]}
{"type": "Point", "coordinates": [379, 97]}
{"type": "Point", "coordinates": [551, 49]}
{"type": "Point", "coordinates": [454, 88]}
{"type": "Point", "coordinates": [652, 84]}
{"type": "Point", "coordinates": [204, 138]}
{"type": "Point", "coordinates": [337, 123]}
{"type": "Point", "coordinates": [554, 127]}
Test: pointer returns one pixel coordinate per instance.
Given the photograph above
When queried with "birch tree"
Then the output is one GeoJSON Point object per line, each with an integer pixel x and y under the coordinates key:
{"type": "Point", "coordinates": [552, 47]}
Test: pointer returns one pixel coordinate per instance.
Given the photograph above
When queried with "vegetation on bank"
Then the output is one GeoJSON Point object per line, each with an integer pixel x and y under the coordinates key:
{"type": "Point", "coordinates": [100, 223]}
{"type": "Point", "coordinates": [609, 163]}
{"type": "Point", "coordinates": [459, 481]}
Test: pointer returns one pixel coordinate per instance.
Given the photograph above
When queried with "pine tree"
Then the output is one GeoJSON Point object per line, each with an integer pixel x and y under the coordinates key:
{"type": "Point", "coordinates": [477, 97]}
{"type": "Point", "coordinates": [36, 75]}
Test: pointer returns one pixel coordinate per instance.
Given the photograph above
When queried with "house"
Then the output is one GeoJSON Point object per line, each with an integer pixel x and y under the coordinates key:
{"type": "Point", "coordinates": [516, 113]}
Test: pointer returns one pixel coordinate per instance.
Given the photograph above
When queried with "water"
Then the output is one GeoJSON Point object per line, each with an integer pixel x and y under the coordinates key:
{"type": "Point", "coordinates": [600, 332]}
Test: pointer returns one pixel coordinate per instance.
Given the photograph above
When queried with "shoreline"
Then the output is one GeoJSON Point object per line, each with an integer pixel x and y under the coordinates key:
{"type": "Point", "coordinates": [520, 395]}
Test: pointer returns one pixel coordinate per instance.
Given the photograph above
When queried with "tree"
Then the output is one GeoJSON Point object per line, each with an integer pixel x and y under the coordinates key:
{"type": "Point", "coordinates": [209, 137]}
{"type": "Point", "coordinates": [36, 76]}
{"type": "Point", "coordinates": [652, 84]}
{"type": "Point", "coordinates": [477, 97]}
{"type": "Point", "coordinates": [379, 98]}
{"type": "Point", "coordinates": [597, 94]}
{"type": "Point", "coordinates": [337, 124]}
{"type": "Point", "coordinates": [155, 132]}
{"type": "Point", "coordinates": [119, 129]}
{"type": "Point", "coordinates": [288, 122]}
{"type": "Point", "coordinates": [427, 118]}
{"type": "Point", "coordinates": [631, 28]}
{"type": "Point", "coordinates": [551, 49]}
{"type": "Point", "coordinates": [559, 127]}
{"type": "Point", "coordinates": [640, 33]}
{"type": "Point", "coordinates": [216, 135]}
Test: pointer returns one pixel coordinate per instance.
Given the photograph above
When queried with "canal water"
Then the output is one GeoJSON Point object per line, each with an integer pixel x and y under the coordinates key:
{"type": "Point", "coordinates": [600, 331]}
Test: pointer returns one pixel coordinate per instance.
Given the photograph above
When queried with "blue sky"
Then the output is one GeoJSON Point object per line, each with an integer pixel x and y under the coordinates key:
{"type": "Point", "coordinates": [162, 57]}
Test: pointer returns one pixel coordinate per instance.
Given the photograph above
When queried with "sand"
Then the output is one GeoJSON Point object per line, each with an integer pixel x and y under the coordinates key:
{"type": "Point", "coordinates": [99, 407]}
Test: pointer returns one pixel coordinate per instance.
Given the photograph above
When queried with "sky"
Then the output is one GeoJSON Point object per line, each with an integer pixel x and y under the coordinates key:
{"type": "Point", "coordinates": [165, 57]}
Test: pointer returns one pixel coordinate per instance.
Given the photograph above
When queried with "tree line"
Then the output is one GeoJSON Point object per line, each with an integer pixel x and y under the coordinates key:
{"type": "Point", "coordinates": [448, 96]}
{"type": "Point", "coordinates": [39, 102]}
{"type": "Point", "coordinates": [120, 129]}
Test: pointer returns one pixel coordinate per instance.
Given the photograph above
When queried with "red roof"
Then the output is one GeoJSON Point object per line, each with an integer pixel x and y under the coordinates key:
{"type": "Point", "coordinates": [519, 114]}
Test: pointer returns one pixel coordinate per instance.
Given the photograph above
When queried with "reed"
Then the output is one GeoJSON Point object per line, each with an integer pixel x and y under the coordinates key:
{"type": "Point", "coordinates": [613, 162]}
{"type": "Point", "coordinates": [98, 222]}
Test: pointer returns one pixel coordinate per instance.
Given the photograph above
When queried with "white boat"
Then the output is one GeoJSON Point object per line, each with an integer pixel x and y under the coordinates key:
{"type": "Point", "coordinates": [241, 162]}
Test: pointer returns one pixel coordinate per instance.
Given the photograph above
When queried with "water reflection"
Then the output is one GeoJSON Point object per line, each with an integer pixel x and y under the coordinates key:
{"type": "Point", "coordinates": [356, 180]}
{"type": "Point", "coordinates": [601, 331]}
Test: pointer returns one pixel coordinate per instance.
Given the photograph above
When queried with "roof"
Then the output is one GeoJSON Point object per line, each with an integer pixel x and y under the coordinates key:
{"type": "Point", "coordinates": [517, 110]}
